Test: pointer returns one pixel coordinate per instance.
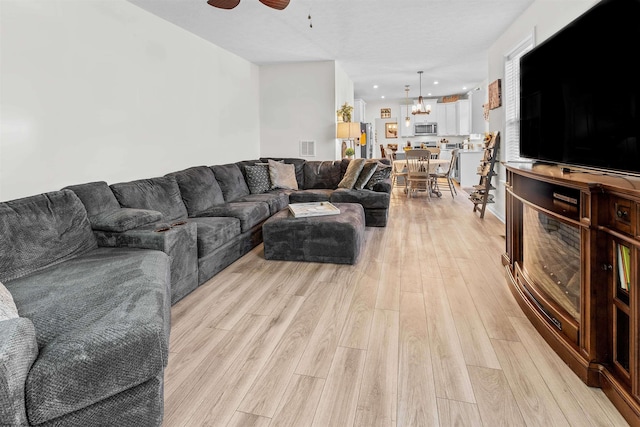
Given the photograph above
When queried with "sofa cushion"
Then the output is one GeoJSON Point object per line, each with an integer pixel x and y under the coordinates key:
{"type": "Point", "coordinates": [96, 197]}
{"type": "Point", "coordinates": [383, 172]}
{"type": "Point", "coordinates": [296, 162]}
{"type": "Point", "coordinates": [365, 174]}
{"type": "Point", "coordinates": [160, 194]}
{"type": "Point", "coordinates": [282, 175]}
{"type": "Point", "coordinates": [275, 199]}
{"type": "Point", "coordinates": [258, 178]}
{"type": "Point", "coordinates": [123, 219]}
{"type": "Point", "coordinates": [198, 188]}
{"type": "Point", "coordinates": [306, 196]}
{"type": "Point", "coordinates": [250, 214]}
{"type": "Point", "coordinates": [18, 350]}
{"type": "Point", "coordinates": [231, 181]}
{"type": "Point", "coordinates": [214, 232]}
{"type": "Point", "coordinates": [367, 198]}
{"type": "Point", "coordinates": [322, 174]}
{"type": "Point", "coordinates": [351, 175]}
{"type": "Point", "coordinates": [8, 308]}
{"type": "Point", "coordinates": [42, 230]}
{"type": "Point", "coordinates": [243, 163]}
{"type": "Point", "coordinates": [93, 315]}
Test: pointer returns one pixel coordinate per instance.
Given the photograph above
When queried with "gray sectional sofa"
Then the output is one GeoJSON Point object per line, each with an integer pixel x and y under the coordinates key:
{"type": "Point", "coordinates": [93, 270]}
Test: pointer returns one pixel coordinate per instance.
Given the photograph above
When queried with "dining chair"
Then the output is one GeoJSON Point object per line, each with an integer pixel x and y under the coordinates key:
{"type": "Point", "coordinates": [435, 152]}
{"type": "Point", "coordinates": [418, 171]}
{"type": "Point", "coordinates": [397, 170]}
{"type": "Point", "coordinates": [446, 175]}
{"type": "Point", "coordinates": [383, 152]}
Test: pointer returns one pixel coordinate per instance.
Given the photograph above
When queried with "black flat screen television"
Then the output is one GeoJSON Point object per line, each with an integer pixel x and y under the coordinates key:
{"type": "Point", "coordinates": [580, 92]}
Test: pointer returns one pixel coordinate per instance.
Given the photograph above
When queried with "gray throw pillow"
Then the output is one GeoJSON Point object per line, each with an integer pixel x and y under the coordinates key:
{"type": "Point", "coordinates": [351, 175]}
{"type": "Point", "coordinates": [367, 172]}
{"type": "Point", "coordinates": [382, 172]}
{"type": "Point", "coordinates": [258, 178]}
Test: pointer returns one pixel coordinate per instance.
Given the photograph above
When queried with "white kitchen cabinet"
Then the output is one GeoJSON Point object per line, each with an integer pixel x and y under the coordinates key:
{"type": "Point", "coordinates": [463, 117]}
{"type": "Point", "coordinates": [454, 118]}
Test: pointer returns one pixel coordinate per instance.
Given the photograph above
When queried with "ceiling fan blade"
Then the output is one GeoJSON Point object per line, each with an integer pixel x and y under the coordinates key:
{"type": "Point", "coordinates": [276, 4]}
{"type": "Point", "coordinates": [224, 4]}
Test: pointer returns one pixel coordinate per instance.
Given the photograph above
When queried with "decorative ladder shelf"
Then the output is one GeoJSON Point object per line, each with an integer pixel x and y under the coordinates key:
{"type": "Point", "coordinates": [480, 196]}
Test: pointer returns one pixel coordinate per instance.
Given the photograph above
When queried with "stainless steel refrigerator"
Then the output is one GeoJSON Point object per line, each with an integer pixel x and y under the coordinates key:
{"type": "Point", "coordinates": [366, 141]}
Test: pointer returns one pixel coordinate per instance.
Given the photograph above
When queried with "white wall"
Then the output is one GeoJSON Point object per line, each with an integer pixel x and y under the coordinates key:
{"type": "Point", "coordinates": [298, 103]}
{"type": "Point", "coordinates": [544, 18]}
{"type": "Point", "coordinates": [103, 90]}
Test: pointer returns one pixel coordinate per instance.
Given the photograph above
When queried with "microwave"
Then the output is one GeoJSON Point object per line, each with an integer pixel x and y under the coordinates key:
{"type": "Point", "coordinates": [425, 129]}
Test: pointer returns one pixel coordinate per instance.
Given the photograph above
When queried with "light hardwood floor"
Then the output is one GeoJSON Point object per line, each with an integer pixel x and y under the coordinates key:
{"type": "Point", "coordinates": [423, 331]}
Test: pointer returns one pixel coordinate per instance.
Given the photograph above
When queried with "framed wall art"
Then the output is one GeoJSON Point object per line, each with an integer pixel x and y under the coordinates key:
{"type": "Point", "coordinates": [391, 130]}
{"type": "Point", "coordinates": [495, 95]}
{"type": "Point", "coordinates": [385, 113]}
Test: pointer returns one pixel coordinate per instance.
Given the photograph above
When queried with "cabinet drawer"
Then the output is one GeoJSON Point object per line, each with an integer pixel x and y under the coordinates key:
{"type": "Point", "coordinates": [622, 215]}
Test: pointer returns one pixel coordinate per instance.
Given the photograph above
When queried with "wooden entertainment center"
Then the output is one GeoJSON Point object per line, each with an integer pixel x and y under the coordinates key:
{"type": "Point", "coordinates": [572, 251]}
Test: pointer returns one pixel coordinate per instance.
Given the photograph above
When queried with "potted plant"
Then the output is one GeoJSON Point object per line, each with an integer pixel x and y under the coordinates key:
{"type": "Point", "coordinates": [345, 112]}
{"type": "Point", "coordinates": [349, 152]}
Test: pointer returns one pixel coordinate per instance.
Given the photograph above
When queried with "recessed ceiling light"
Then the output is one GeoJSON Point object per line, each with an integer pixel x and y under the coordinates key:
{"type": "Point", "coordinates": [375, 86]}
{"type": "Point", "coordinates": [429, 94]}
{"type": "Point", "coordinates": [464, 88]}
{"type": "Point", "coordinates": [382, 97]}
{"type": "Point", "coordinates": [435, 83]}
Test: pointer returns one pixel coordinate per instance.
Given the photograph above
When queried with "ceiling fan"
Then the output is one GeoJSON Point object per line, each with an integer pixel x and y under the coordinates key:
{"type": "Point", "coordinates": [230, 4]}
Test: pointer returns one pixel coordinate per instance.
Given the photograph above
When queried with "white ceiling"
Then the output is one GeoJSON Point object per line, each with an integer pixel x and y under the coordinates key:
{"type": "Point", "coordinates": [376, 42]}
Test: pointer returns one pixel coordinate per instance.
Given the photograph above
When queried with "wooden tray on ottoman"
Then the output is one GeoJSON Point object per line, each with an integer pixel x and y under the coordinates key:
{"type": "Point", "coordinates": [303, 210]}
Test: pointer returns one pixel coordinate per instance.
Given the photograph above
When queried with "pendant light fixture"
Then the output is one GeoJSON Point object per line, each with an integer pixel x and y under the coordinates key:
{"type": "Point", "coordinates": [421, 108]}
{"type": "Point", "coordinates": [407, 119]}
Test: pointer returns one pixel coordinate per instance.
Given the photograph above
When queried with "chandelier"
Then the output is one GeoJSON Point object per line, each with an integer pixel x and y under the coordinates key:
{"type": "Point", "coordinates": [420, 108]}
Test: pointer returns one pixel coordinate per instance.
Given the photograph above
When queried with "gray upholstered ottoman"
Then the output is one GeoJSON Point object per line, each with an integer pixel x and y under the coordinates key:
{"type": "Point", "coordinates": [332, 238]}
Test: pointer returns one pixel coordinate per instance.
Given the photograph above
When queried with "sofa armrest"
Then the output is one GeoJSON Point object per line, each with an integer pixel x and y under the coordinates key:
{"type": "Point", "coordinates": [18, 351]}
{"type": "Point", "coordinates": [124, 219]}
{"type": "Point", "coordinates": [178, 240]}
{"type": "Point", "coordinates": [383, 186]}
{"type": "Point", "coordinates": [152, 236]}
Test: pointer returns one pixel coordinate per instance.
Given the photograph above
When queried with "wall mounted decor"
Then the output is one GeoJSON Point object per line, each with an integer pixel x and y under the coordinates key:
{"type": "Point", "coordinates": [495, 95]}
{"type": "Point", "coordinates": [385, 113]}
{"type": "Point", "coordinates": [391, 130]}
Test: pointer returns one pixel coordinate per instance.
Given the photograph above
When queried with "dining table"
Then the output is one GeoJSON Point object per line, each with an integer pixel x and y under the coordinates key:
{"type": "Point", "coordinates": [400, 164]}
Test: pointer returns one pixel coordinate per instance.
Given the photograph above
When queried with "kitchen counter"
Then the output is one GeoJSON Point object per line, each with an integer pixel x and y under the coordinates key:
{"type": "Point", "coordinates": [467, 168]}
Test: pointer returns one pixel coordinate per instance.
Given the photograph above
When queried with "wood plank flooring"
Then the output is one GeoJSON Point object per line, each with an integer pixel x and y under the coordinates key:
{"type": "Point", "coordinates": [423, 331]}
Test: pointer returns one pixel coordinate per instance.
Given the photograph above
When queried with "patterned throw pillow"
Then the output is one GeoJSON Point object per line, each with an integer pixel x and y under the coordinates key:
{"type": "Point", "coordinates": [283, 175]}
{"type": "Point", "coordinates": [351, 175]}
{"type": "Point", "coordinates": [367, 172]}
{"type": "Point", "coordinates": [8, 308]}
{"type": "Point", "coordinates": [382, 172]}
{"type": "Point", "coordinates": [258, 178]}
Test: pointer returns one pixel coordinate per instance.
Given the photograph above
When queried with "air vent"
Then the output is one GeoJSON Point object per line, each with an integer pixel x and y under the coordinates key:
{"type": "Point", "coordinates": [307, 148]}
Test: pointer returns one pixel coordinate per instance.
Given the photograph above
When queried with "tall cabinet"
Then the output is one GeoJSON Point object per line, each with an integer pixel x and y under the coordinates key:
{"type": "Point", "coordinates": [572, 251]}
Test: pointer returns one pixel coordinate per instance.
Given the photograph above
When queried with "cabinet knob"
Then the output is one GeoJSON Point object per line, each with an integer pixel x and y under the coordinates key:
{"type": "Point", "coordinates": [607, 267]}
{"type": "Point", "coordinates": [621, 214]}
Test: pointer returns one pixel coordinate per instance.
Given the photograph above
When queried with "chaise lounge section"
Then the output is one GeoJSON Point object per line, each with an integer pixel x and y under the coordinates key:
{"type": "Point", "coordinates": [94, 321]}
